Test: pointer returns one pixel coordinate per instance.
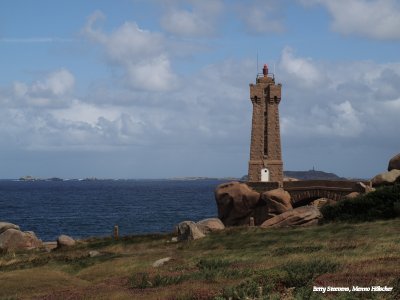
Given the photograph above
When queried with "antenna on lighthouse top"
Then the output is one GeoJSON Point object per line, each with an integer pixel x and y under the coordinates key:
{"type": "Point", "coordinates": [257, 61]}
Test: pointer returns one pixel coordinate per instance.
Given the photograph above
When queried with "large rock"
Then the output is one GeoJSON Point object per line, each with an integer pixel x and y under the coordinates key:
{"type": "Point", "coordinates": [14, 239]}
{"type": "Point", "coordinates": [210, 225]}
{"type": "Point", "coordinates": [161, 262]}
{"type": "Point", "coordinates": [386, 178]}
{"type": "Point", "coordinates": [394, 163]}
{"type": "Point", "coordinates": [277, 202]}
{"type": "Point", "coordinates": [301, 216]}
{"type": "Point", "coordinates": [187, 230]}
{"type": "Point", "coordinates": [363, 188]}
{"type": "Point", "coordinates": [352, 195]}
{"type": "Point", "coordinates": [5, 226]}
{"type": "Point", "coordinates": [321, 202]}
{"type": "Point", "coordinates": [64, 241]}
{"type": "Point", "coordinates": [236, 203]}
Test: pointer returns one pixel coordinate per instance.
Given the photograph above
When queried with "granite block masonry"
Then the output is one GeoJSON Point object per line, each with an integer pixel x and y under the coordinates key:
{"type": "Point", "coordinates": [265, 147]}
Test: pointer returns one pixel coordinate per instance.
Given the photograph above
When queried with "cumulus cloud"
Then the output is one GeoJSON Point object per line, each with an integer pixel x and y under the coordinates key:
{"type": "Point", "coordinates": [53, 91]}
{"type": "Point", "coordinates": [208, 111]}
{"type": "Point", "coordinates": [378, 19]}
{"type": "Point", "coordinates": [301, 69]}
{"type": "Point", "coordinates": [261, 16]}
{"type": "Point", "coordinates": [199, 20]}
{"type": "Point", "coordinates": [141, 54]}
{"type": "Point", "coordinates": [351, 105]}
{"type": "Point", "coordinates": [333, 101]}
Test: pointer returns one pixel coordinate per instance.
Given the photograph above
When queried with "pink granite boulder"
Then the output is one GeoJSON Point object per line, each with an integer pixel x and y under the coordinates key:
{"type": "Point", "coordinates": [236, 203]}
{"type": "Point", "coordinates": [14, 239]}
{"type": "Point", "coordinates": [394, 163]}
{"type": "Point", "coordinates": [301, 216]}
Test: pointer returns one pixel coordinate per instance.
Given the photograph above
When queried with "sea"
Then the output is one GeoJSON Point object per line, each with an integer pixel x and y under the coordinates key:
{"type": "Point", "coordinates": [91, 208]}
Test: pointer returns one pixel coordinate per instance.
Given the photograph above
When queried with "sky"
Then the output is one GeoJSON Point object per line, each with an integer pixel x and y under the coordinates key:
{"type": "Point", "coordinates": [160, 89]}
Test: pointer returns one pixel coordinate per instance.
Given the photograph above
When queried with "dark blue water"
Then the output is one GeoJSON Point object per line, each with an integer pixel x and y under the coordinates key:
{"type": "Point", "coordinates": [92, 208]}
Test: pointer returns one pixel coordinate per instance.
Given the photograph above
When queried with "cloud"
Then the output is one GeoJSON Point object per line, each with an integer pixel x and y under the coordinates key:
{"type": "Point", "coordinates": [141, 54]}
{"type": "Point", "coordinates": [301, 69]}
{"type": "Point", "coordinates": [342, 100]}
{"type": "Point", "coordinates": [261, 16]}
{"type": "Point", "coordinates": [186, 23]}
{"type": "Point", "coordinates": [199, 20]}
{"type": "Point", "coordinates": [53, 91]}
{"type": "Point", "coordinates": [37, 40]}
{"type": "Point", "coordinates": [378, 19]}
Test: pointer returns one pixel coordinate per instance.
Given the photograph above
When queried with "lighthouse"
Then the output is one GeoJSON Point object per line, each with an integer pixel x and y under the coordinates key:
{"type": "Point", "coordinates": [265, 148]}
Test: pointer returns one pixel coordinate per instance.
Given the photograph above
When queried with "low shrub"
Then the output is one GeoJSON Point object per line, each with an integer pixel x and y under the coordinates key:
{"type": "Point", "coordinates": [213, 264]}
{"type": "Point", "coordinates": [381, 204]}
{"type": "Point", "coordinates": [299, 249]}
{"type": "Point", "coordinates": [300, 274]}
{"type": "Point", "coordinates": [247, 289]}
{"type": "Point", "coordinates": [395, 294]}
{"type": "Point", "coordinates": [212, 269]}
{"type": "Point", "coordinates": [294, 274]}
{"type": "Point", "coordinates": [144, 280]}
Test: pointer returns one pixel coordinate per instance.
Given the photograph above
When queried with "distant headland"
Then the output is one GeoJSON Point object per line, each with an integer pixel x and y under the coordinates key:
{"type": "Point", "coordinates": [288, 175]}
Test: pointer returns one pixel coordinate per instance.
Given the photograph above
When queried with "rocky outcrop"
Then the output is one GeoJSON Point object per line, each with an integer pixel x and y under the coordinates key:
{"type": "Point", "coordinates": [94, 253]}
{"type": "Point", "coordinates": [277, 202]}
{"type": "Point", "coordinates": [210, 225]}
{"type": "Point", "coordinates": [187, 231]}
{"type": "Point", "coordinates": [5, 226]}
{"type": "Point", "coordinates": [161, 262]}
{"type": "Point", "coordinates": [352, 195]}
{"type": "Point", "coordinates": [321, 202]}
{"type": "Point", "coordinates": [64, 241]}
{"type": "Point", "coordinates": [364, 189]}
{"type": "Point", "coordinates": [386, 178]}
{"type": "Point", "coordinates": [15, 239]}
{"type": "Point", "coordinates": [236, 203]}
{"type": "Point", "coordinates": [394, 163]}
{"type": "Point", "coordinates": [301, 216]}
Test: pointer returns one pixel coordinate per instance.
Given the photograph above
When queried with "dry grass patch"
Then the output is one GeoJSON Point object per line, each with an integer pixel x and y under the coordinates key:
{"type": "Point", "coordinates": [37, 280]}
{"type": "Point", "coordinates": [233, 263]}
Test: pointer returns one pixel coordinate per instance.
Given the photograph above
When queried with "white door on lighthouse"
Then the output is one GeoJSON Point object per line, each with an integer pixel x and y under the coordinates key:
{"type": "Point", "coordinates": [264, 175]}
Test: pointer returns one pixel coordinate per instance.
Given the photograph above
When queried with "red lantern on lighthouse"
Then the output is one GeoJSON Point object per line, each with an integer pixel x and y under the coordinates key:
{"type": "Point", "coordinates": [265, 70]}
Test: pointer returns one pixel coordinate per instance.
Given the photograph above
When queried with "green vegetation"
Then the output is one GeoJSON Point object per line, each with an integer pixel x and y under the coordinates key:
{"type": "Point", "coordinates": [382, 204]}
{"type": "Point", "coordinates": [236, 263]}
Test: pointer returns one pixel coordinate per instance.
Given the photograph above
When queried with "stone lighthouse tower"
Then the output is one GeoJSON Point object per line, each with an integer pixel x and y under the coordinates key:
{"type": "Point", "coordinates": [265, 150]}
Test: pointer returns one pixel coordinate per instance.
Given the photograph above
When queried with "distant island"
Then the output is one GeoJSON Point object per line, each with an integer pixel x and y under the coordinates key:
{"type": "Point", "coordinates": [312, 175]}
{"type": "Point", "coordinates": [289, 175]}
{"type": "Point", "coordinates": [31, 178]}
{"type": "Point", "coordinates": [309, 175]}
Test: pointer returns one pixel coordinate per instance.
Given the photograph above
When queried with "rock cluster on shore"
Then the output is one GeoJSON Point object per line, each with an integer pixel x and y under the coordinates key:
{"type": "Point", "coordinates": [390, 177]}
{"type": "Point", "coordinates": [189, 230]}
{"type": "Point", "coordinates": [237, 203]}
{"type": "Point", "coordinates": [12, 238]}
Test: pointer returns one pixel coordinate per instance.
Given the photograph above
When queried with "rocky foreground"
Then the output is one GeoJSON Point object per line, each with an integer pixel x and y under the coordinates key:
{"type": "Point", "coordinates": [234, 263]}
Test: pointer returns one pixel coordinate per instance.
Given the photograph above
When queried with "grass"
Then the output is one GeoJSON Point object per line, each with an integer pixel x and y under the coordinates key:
{"type": "Point", "coordinates": [237, 263]}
